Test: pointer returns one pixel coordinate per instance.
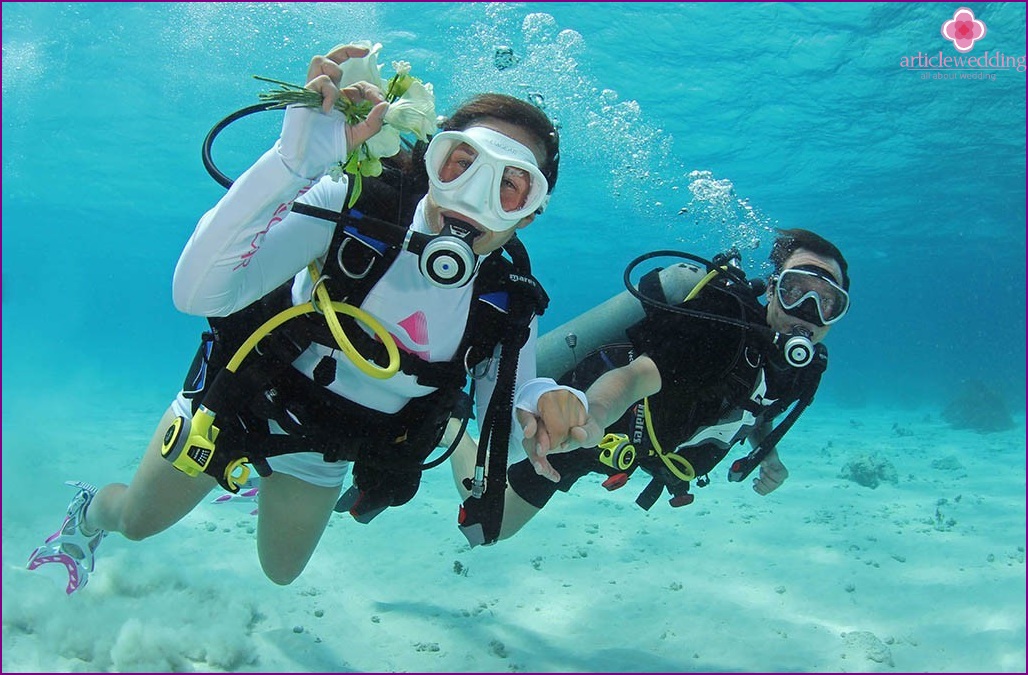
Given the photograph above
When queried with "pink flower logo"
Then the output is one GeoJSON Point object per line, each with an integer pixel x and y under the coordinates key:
{"type": "Point", "coordinates": [963, 30]}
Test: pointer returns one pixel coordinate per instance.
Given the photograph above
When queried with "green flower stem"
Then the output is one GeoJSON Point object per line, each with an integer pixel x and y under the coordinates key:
{"type": "Point", "coordinates": [293, 94]}
{"type": "Point", "coordinates": [359, 162]}
{"type": "Point", "coordinates": [355, 191]}
{"type": "Point", "coordinates": [284, 85]}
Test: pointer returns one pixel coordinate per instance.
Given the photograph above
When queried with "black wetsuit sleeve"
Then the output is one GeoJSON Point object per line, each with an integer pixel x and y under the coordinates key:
{"type": "Point", "coordinates": [537, 490]}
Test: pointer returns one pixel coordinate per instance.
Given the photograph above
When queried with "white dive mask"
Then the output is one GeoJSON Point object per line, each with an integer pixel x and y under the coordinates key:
{"type": "Point", "coordinates": [491, 178]}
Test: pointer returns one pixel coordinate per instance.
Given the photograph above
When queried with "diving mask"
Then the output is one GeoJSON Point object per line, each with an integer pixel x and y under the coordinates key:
{"type": "Point", "coordinates": [484, 176]}
{"type": "Point", "coordinates": [809, 293]}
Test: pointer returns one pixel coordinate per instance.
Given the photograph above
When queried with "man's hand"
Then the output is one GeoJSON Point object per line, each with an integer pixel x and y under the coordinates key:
{"type": "Point", "coordinates": [772, 474]}
{"type": "Point", "coordinates": [561, 425]}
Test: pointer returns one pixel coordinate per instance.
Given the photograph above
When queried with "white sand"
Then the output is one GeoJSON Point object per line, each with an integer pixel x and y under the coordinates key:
{"type": "Point", "coordinates": [927, 574]}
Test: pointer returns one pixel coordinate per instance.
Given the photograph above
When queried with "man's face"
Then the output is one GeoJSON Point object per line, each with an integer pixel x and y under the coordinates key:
{"type": "Point", "coordinates": [777, 317]}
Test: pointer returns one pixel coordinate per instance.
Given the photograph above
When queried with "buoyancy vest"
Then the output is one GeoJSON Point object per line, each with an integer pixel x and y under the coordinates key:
{"type": "Point", "coordinates": [718, 381]}
{"type": "Point", "coordinates": [388, 450]}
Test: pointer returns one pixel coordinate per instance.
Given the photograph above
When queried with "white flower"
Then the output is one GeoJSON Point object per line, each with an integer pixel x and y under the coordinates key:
{"type": "Point", "coordinates": [363, 69]}
{"type": "Point", "coordinates": [415, 112]}
{"type": "Point", "coordinates": [337, 171]}
{"type": "Point", "coordinates": [385, 143]}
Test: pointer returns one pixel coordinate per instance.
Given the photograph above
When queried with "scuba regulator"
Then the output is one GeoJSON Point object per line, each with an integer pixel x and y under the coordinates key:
{"type": "Point", "coordinates": [447, 259]}
{"type": "Point", "coordinates": [796, 346]}
{"type": "Point", "coordinates": [189, 446]}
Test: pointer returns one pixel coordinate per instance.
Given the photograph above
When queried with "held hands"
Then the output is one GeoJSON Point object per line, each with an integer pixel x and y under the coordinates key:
{"type": "Point", "coordinates": [560, 424]}
{"type": "Point", "coordinates": [772, 474]}
{"type": "Point", "coordinates": [313, 141]}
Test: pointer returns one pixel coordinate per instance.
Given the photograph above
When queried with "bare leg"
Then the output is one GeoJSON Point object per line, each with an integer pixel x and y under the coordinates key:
{"type": "Point", "coordinates": [462, 461]}
{"type": "Point", "coordinates": [516, 511]}
{"type": "Point", "coordinates": [157, 498]}
{"type": "Point", "coordinates": [291, 517]}
{"type": "Point", "coordinates": [516, 514]}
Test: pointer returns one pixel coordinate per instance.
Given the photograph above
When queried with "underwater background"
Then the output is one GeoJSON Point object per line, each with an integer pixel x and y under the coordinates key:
{"type": "Point", "coordinates": [749, 116]}
{"type": "Point", "coordinates": [683, 126]}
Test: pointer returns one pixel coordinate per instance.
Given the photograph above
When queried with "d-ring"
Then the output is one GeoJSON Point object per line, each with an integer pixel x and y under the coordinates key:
{"type": "Point", "coordinates": [478, 371]}
{"type": "Point", "coordinates": [342, 266]}
{"type": "Point", "coordinates": [314, 301]}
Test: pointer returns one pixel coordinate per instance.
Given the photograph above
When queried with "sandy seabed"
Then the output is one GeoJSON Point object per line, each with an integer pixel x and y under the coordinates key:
{"type": "Point", "coordinates": [924, 572]}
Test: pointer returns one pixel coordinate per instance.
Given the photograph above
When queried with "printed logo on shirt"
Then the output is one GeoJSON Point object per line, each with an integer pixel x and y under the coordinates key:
{"type": "Point", "coordinates": [416, 327]}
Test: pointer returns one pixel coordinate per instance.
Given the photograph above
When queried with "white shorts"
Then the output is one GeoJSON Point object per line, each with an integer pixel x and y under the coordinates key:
{"type": "Point", "coordinates": [309, 467]}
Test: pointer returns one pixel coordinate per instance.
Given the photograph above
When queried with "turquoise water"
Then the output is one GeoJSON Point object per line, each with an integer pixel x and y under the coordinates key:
{"type": "Point", "coordinates": [800, 114]}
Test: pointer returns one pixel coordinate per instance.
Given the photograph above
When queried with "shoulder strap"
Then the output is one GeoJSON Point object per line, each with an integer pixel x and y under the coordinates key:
{"type": "Point", "coordinates": [741, 468]}
{"type": "Point", "coordinates": [369, 235]}
{"type": "Point", "coordinates": [506, 299]}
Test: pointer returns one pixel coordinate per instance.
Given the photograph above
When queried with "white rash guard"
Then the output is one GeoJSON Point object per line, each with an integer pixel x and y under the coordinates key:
{"type": "Point", "coordinates": [251, 242]}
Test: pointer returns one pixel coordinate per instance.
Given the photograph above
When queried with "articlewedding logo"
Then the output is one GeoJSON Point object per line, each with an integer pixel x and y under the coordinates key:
{"type": "Point", "coordinates": [963, 30]}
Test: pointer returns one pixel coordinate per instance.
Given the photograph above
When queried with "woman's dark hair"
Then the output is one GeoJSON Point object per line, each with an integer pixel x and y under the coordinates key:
{"type": "Point", "coordinates": [514, 111]}
{"type": "Point", "coordinates": [789, 241]}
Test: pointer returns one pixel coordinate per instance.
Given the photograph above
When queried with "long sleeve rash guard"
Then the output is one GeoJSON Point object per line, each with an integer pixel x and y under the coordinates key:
{"type": "Point", "coordinates": [251, 242]}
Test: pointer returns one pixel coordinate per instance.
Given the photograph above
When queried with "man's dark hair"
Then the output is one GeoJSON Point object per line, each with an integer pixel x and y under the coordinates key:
{"type": "Point", "coordinates": [514, 111]}
{"type": "Point", "coordinates": [788, 241]}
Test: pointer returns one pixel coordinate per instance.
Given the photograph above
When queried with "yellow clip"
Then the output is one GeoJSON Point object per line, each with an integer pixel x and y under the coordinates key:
{"type": "Point", "coordinates": [236, 474]}
{"type": "Point", "coordinates": [617, 452]}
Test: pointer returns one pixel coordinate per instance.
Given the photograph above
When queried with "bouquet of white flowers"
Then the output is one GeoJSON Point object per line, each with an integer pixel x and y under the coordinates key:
{"type": "Point", "coordinates": [411, 111]}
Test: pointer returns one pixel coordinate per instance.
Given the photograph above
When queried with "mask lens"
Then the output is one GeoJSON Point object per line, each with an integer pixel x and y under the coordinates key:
{"type": "Point", "coordinates": [796, 286]}
{"type": "Point", "coordinates": [516, 186]}
{"type": "Point", "coordinates": [456, 161]}
{"type": "Point", "coordinates": [516, 183]}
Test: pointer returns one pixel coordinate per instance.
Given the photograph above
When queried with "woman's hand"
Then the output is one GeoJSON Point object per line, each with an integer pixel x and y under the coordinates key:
{"type": "Point", "coordinates": [561, 424]}
{"type": "Point", "coordinates": [323, 76]}
{"type": "Point", "coordinates": [312, 140]}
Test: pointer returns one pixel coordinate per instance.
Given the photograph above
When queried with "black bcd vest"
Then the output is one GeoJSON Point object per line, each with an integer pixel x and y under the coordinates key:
{"type": "Point", "coordinates": [388, 450]}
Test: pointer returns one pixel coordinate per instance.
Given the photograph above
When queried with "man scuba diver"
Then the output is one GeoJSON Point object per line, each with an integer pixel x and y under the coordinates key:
{"type": "Point", "coordinates": [683, 367]}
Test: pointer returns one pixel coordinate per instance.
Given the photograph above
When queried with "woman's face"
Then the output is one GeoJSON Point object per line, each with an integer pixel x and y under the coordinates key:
{"type": "Point", "coordinates": [515, 186]}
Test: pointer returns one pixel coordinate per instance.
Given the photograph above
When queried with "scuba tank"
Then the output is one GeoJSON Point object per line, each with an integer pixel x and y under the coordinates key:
{"type": "Point", "coordinates": [580, 350]}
